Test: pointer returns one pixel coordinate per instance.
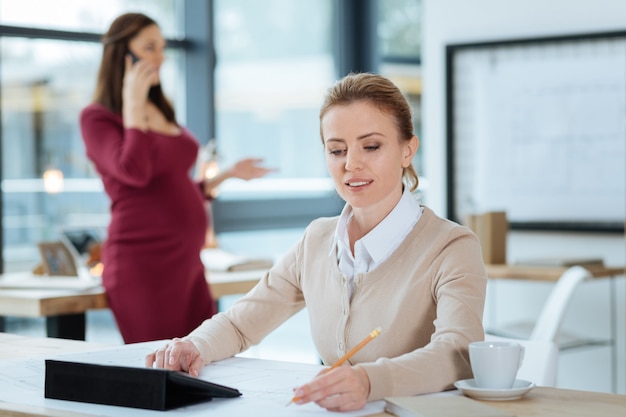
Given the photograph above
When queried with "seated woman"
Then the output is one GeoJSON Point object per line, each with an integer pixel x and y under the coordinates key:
{"type": "Point", "coordinates": [386, 261]}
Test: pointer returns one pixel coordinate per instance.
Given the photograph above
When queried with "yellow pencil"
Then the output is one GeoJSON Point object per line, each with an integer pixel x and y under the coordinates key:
{"type": "Point", "coordinates": [348, 355]}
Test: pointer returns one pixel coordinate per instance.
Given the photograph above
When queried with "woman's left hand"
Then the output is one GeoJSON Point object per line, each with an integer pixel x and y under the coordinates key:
{"type": "Point", "coordinates": [249, 168]}
{"type": "Point", "coordinates": [244, 169]}
{"type": "Point", "coordinates": [345, 388]}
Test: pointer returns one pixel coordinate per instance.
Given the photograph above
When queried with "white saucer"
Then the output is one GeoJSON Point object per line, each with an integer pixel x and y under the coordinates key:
{"type": "Point", "coordinates": [469, 388]}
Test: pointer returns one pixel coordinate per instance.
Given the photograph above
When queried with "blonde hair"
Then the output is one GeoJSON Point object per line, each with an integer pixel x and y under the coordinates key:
{"type": "Point", "coordinates": [385, 96]}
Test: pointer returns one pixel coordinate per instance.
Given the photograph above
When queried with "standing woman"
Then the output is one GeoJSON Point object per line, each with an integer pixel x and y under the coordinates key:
{"type": "Point", "coordinates": [153, 276]}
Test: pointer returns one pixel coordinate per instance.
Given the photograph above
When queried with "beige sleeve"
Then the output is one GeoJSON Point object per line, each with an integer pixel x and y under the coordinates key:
{"type": "Point", "coordinates": [271, 302]}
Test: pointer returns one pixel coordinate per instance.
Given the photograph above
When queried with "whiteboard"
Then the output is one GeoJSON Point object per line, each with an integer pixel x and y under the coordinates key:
{"type": "Point", "coordinates": [537, 128]}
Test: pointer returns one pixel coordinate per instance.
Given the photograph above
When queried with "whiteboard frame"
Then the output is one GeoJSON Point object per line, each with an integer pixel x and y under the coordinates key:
{"type": "Point", "coordinates": [452, 51]}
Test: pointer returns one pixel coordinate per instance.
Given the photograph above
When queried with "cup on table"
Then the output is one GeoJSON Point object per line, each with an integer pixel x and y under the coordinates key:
{"type": "Point", "coordinates": [495, 363]}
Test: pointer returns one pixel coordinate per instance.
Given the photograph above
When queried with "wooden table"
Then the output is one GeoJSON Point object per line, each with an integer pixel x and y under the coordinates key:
{"type": "Point", "coordinates": [557, 402]}
{"type": "Point", "coordinates": [65, 310]}
{"type": "Point", "coordinates": [228, 283]}
{"type": "Point", "coordinates": [546, 401]}
{"type": "Point", "coordinates": [541, 401]}
{"type": "Point", "coordinates": [544, 273]}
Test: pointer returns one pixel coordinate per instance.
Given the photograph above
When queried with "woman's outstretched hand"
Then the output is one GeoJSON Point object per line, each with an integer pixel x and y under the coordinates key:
{"type": "Point", "coordinates": [249, 168]}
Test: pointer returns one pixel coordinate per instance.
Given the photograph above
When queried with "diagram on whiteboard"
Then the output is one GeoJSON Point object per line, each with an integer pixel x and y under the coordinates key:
{"type": "Point", "coordinates": [539, 130]}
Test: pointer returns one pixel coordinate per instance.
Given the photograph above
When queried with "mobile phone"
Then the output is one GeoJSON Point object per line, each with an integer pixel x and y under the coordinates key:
{"type": "Point", "coordinates": [134, 57]}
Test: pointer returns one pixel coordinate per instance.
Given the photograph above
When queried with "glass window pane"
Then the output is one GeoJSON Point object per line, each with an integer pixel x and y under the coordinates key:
{"type": "Point", "coordinates": [400, 29]}
{"type": "Point", "coordinates": [44, 84]}
{"type": "Point", "coordinates": [86, 16]}
{"type": "Point", "coordinates": [274, 63]}
{"type": "Point", "coordinates": [399, 40]}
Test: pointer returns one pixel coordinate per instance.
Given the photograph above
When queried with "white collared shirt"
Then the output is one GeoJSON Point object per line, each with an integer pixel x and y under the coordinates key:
{"type": "Point", "coordinates": [376, 246]}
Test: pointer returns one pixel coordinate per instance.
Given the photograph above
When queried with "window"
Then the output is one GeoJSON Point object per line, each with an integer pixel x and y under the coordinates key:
{"type": "Point", "coordinates": [87, 16]}
{"type": "Point", "coordinates": [274, 63]}
{"type": "Point", "coordinates": [48, 69]}
{"type": "Point", "coordinates": [275, 60]}
{"type": "Point", "coordinates": [400, 30]}
{"type": "Point", "coordinates": [399, 34]}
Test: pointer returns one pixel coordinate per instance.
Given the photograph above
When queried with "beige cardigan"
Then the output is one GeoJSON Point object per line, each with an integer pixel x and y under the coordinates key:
{"type": "Point", "coordinates": [427, 297]}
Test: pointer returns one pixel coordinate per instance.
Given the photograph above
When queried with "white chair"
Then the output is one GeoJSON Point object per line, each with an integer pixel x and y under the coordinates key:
{"type": "Point", "coordinates": [548, 324]}
{"type": "Point", "coordinates": [540, 360]}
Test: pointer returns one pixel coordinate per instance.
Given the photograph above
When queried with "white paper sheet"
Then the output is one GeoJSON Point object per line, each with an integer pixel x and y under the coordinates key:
{"type": "Point", "coordinates": [27, 280]}
{"type": "Point", "coordinates": [266, 386]}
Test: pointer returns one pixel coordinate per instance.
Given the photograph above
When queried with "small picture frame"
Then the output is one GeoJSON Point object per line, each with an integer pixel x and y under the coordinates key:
{"type": "Point", "coordinates": [56, 259]}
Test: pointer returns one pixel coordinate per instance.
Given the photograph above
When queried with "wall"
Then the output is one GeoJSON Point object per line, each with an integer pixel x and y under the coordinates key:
{"type": "Point", "coordinates": [456, 21]}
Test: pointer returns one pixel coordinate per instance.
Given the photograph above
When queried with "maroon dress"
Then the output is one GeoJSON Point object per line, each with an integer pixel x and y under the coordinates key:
{"type": "Point", "coordinates": [153, 276]}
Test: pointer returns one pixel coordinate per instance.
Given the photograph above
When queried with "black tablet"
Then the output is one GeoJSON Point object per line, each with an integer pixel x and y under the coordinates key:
{"type": "Point", "coordinates": [148, 388]}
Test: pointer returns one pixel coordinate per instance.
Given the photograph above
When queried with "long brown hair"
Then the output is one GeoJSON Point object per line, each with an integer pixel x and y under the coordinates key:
{"type": "Point", "coordinates": [387, 98]}
{"type": "Point", "coordinates": [111, 73]}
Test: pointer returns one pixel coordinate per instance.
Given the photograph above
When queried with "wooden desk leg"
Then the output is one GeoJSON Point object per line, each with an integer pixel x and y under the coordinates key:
{"type": "Point", "coordinates": [66, 326]}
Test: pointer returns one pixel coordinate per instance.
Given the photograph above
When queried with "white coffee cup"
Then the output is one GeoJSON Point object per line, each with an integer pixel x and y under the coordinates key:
{"type": "Point", "coordinates": [495, 363]}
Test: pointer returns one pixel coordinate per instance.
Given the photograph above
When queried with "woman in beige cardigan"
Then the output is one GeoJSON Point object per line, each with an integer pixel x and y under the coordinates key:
{"type": "Point", "coordinates": [386, 261]}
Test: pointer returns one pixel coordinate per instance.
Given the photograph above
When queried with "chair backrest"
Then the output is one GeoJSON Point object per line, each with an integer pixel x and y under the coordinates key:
{"type": "Point", "coordinates": [540, 360]}
{"type": "Point", "coordinates": [551, 316]}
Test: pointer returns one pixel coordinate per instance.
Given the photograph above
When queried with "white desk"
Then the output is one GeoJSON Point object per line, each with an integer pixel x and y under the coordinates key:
{"type": "Point", "coordinates": [64, 309]}
{"type": "Point", "coordinates": [266, 386]}
{"type": "Point", "coordinates": [541, 401]}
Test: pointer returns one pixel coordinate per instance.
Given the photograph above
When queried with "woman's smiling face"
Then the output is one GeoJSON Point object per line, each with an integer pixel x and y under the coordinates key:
{"type": "Point", "coordinates": [364, 154]}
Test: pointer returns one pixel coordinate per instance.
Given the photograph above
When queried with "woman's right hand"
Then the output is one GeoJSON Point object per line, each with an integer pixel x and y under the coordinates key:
{"type": "Point", "coordinates": [178, 355]}
{"type": "Point", "coordinates": [136, 84]}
